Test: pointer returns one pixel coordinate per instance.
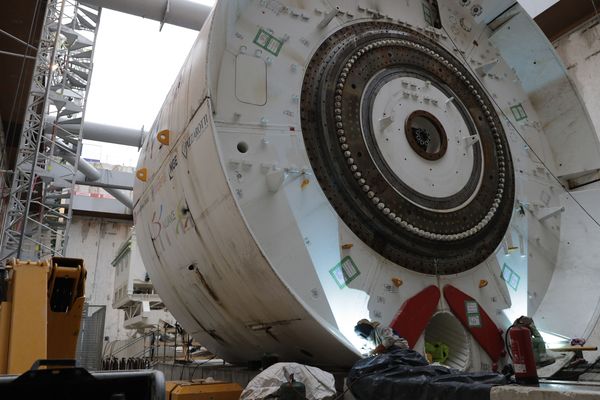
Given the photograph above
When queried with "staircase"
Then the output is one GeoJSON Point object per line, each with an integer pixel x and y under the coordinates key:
{"type": "Point", "coordinates": [39, 205]}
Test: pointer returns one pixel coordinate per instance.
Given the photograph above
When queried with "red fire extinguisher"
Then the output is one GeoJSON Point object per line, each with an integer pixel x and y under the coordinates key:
{"type": "Point", "coordinates": [521, 352]}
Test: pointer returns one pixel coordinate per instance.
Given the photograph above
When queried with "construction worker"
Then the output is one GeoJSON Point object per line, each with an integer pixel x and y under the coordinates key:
{"type": "Point", "coordinates": [383, 339]}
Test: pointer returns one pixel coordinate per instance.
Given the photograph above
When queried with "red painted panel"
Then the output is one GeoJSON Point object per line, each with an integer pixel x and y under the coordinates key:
{"type": "Point", "coordinates": [487, 335]}
{"type": "Point", "coordinates": [415, 313]}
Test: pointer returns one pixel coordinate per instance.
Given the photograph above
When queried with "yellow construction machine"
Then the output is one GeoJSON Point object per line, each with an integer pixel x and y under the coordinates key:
{"type": "Point", "coordinates": [40, 311]}
{"type": "Point", "coordinates": [41, 306]}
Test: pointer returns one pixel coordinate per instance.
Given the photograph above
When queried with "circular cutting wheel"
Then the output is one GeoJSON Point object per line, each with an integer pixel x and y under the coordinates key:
{"type": "Point", "coordinates": [407, 147]}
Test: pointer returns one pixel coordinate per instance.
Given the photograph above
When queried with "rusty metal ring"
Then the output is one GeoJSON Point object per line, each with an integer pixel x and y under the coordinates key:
{"type": "Point", "coordinates": [410, 133]}
{"type": "Point", "coordinates": [336, 137]}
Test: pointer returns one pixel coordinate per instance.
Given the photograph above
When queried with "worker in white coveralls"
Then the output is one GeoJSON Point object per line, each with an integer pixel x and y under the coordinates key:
{"type": "Point", "coordinates": [382, 338]}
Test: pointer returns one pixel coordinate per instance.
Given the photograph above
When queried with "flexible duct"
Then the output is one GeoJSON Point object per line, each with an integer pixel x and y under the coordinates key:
{"type": "Point", "coordinates": [92, 174]}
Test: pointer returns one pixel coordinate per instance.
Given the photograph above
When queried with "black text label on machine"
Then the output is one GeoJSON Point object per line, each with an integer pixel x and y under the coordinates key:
{"type": "Point", "coordinates": [198, 131]}
{"type": "Point", "coordinates": [172, 166]}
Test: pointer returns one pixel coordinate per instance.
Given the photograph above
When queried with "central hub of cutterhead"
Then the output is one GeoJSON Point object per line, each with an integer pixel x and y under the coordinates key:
{"type": "Point", "coordinates": [426, 135]}
{"type": "Point", "coordinates": [407, 147]}
{"type": "Point", "coordinates": [405, 122]}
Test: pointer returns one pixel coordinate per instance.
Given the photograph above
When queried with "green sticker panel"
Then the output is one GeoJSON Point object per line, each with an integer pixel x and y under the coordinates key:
{"type": "Point", "coordinates": [427, 14]}
{"type": "Point", "coordinates": [268, 42]}
{"type": "Point", "coordinates": [344, 272]}
{"type": "Point", "coordinates": [519, 112]}
{"type": "Point", "coordinates": [473, 315]}
{"type": "Point", "coordinates": [511, 277]}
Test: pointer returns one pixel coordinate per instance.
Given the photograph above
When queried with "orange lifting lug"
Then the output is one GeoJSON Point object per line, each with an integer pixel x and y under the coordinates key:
{"type": "Point", "coordinates": [163, 137]}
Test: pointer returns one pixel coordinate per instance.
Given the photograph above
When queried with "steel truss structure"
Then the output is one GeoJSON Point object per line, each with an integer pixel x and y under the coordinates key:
{"type": "Point", "coordinates": [39, 208]}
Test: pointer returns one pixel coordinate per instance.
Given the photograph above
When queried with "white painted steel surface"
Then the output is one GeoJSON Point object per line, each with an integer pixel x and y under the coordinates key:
{"type": "Point", "coordinates": [396, 101]}
{"type": "Point", "coordinates": [236, 232]}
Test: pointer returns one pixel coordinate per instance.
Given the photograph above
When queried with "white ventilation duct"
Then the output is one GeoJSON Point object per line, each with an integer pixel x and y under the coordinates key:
{"type": "Point", "coordinates": [184, 13]}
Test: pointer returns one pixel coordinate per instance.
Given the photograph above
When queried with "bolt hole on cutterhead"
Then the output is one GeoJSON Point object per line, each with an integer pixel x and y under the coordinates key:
{"type": "Point", "coordinates": [242, 147]}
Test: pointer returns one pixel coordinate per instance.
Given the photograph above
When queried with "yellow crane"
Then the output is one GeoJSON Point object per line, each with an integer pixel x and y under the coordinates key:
{"type": "Point", "coordinates": [41, 305]}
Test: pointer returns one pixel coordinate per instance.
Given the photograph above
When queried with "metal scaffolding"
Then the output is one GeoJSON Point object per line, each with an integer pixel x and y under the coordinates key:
{"type": "Point", "coordinates": [39, 208]}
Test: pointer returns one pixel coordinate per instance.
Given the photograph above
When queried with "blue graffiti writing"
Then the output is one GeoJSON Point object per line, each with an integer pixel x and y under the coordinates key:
{"type": "Point", "coordinates": [156, 225]}
{"type": "Point", "coordinates": [160, 223]}
{"type": "Point", "coordinates": [168, 220]}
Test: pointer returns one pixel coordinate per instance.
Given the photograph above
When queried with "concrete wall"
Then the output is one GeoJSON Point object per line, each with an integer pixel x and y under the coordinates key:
{"type": "Point", "coordinates": [97, 240]}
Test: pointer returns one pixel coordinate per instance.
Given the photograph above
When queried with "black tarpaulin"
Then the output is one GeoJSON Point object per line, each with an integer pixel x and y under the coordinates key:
{"type": "Point", "coordinates": [406, 375]}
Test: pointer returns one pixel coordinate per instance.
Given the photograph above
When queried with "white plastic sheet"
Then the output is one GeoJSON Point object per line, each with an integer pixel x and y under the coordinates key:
{"type": "Point", "coordinates": [320, 385]}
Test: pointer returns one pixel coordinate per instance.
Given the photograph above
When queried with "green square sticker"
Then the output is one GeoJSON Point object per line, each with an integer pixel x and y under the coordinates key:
{"type": "Point", "coordinates": [473, 314]}
{"type": "Point", "coordinates": [511, 277]}
{"type": "Point", "coordinates": [344, 272]}
{"type": "Point", "coordinates": [270, 43]}
{"type": "Point", "coordinates": [519, 112]}
{"type": "Point", "coordinates": [427, 14]}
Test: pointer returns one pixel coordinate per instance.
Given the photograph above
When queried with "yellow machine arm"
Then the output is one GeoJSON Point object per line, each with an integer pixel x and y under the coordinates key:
{"type": "Point", "coordinates": [40, 311]}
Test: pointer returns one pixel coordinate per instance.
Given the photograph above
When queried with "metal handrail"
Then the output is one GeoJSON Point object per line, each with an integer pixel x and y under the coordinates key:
{"type": "Point", "coordinates": [134, 341]}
